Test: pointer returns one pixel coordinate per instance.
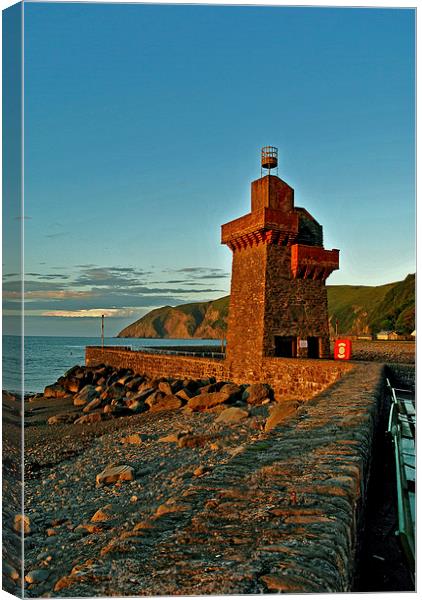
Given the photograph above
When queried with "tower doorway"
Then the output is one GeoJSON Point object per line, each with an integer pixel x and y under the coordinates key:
{"type": "Point", "coordinates": [313, 347]}
{"type": "Point", "coordinates": [285, 346]}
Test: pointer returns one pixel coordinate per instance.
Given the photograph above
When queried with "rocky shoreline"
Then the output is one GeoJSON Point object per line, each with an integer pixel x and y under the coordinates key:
{"type": "Point", "coordinates": [111, 458]}
{"type": "Point", "coordinates": [102, 393]}
{"type": "Point", "coordinates": [137, 486]}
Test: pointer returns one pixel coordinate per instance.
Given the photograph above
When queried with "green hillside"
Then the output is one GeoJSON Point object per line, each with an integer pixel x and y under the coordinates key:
{"type": "Point", "coordinates": [351, 305]}
{"type": "Point", "coordinates": [357, 309]}
{"type": "Point", "coordinates": [396, 311]}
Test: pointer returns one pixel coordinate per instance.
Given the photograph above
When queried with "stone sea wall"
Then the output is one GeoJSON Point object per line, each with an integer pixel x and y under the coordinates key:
{"type": "Point", "coordinates": [288, 377]}
{"type": "Point", "coordinates": [303, 378]}
{"type": "Point", "coordinates": [156, 365]}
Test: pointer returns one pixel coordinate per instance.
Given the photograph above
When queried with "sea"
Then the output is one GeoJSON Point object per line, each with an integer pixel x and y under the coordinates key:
{"type": "Point", "coordinates": [47, 358]}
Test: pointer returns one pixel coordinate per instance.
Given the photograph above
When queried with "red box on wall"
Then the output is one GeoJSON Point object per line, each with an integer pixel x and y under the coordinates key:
{"type": "Point", "coordinates": [343, 350]}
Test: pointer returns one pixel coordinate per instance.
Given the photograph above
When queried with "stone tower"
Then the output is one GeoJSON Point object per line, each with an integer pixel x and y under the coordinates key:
{"type": "Point", "coordinates": [278, 301]}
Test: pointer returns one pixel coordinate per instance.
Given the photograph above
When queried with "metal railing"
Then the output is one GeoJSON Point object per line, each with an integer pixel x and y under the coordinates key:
{"type": "Point", "coordinates": [150, 350]}
{"type": "Point", "coordinates": [401, 428]}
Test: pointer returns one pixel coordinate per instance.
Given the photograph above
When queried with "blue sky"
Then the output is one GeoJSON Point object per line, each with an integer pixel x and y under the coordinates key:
{"type": "Point", "coordinates": [143, 126]}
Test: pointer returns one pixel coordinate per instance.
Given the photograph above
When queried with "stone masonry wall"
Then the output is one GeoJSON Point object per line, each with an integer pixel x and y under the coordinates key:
{"type": "Point", "coordinates": [265, 301]}
{"type": "Point", "coordinates": [156, 365]}
{"type": "Point", "coordinates": [288, 375]}
{"type": "Point", "coordinates": [298, 378]}
{"type": "Point", "coordinates": [246, 309]}
{"type": "Point", "coordinates": [293, 307]}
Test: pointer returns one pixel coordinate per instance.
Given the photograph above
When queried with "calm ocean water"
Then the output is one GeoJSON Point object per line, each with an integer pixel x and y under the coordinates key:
{"type": "Point", "coordinates": [46, 358]}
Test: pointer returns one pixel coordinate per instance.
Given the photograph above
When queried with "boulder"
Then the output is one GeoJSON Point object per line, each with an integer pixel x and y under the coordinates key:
{"type": "Point", "coordinates": [95, 403]}
{"type": "Point", "coordinates": [165, 387]}
{"type": "Point", "coordinates": [115, 391]}
{"type": "Point", "coordinates": [125, 380]}
{"type": "Point", "coordinates": [132, 439]}
{"type": "Point", "coordinates": [143, 395]}
{"type": "Point", "coordinates": [169, 402]}
{"type": "Point", "coordinates": [62, 418]}
{"type": "Point", "coordinates": [234, 391]}
{"type": "Point", "coordinates": [207, 381]}
{"type": "Point", "coordinates": [206, 389]}
{"type": "Point", "coordinates": [176, 386]}
{"type": "Point", "coordinates": [10, 571]}
{"type": "Point", "coordinates": [256, 393]}
{"type": "Point", "coordinates": [184, 394]}
{"type": "Point", "coordinates": [64, 582]}
{"type": "Point", "coordinates": [87, 393]}
{"type": "Point", "coordinates": [88, 528]}
{"type": "Point", "coordinates": [136, 406]}
{"type": "Point", "coordinates": [100, 371]}
{"type": "Point", "coordinates": [134, 384]}
{"type": "Point", "coordinates": [147, 385]}
{"type": "Point", "coordinates": [112, 378]}
{"type": "Point", "coordinates": [72, 371]}
{"type": "Point", "coordinates": [204, 401]}
{"type": "Point", "coordinates": [191, 385]}
{"type": "Point", "coordinates": [73, 384]}
{"type": "Point", "coordinates": [21, 523]}
{"type": "Point", "coordinates": [232, 415]}
{"type": "Point", "coordinates": [106, 513]}
{"type": "Point", "coordinates": [88, 419]}
{"type": "Point", "coordinates": [37, 576]}
{"type": "Point", "coordinates": [154, 398]}
{"type": "Point", "coordinates": [120, 410]}
{"type": "Point", "coordinates": [174, 437]}
{"type": "Point", "coordinates": [55, 391]}
{"type": "Point", "coordinates": [112, 474]}
{"type": "Point", "coordinates": [194, 441]}
{"type": "Point", "coordinates": [143, 525]}
{"type": "Point", "coordinates": [201, 470]}
{"type": "Point", "coordinates": [168, 507]}
{"type": "Point", "coordinates": [279, 413]}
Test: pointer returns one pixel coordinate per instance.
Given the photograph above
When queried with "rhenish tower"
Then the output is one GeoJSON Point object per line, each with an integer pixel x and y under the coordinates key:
{"type": "Point", "coordinates": [278, 301]}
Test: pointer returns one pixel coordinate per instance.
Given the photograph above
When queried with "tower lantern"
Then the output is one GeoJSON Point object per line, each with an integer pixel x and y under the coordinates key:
{"type": "Point", "coordinates": [269, 158]}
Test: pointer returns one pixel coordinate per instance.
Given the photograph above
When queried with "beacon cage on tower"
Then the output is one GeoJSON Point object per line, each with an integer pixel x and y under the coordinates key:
{"type": "Point", "coordinates": [269, 158]}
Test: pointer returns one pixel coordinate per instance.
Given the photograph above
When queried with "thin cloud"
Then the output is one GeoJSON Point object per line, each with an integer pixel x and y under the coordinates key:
{"type": "Point", "coordinates": [203, 272]}
{"type": "Point", "coordinates": [160, 290]}
{"type": "Point", "coordinates": [93, 313]}
{"type": "Point", "coordinates": [111, 277]}
{"type": "Point", "coordinates": [88, 266]}
{"type": "Point", "coordinates": [46, 295]}
{"type": "Point", "coordinates": [213, 276]}
{"type": "Point", "coordinates": [113, 288]}
{"type": "Point", "coordinates": [53, 276]}
{"type": "Point", "coordinates": [31, 285]}
{"type": "Point", "coordinates": [197, 270]}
